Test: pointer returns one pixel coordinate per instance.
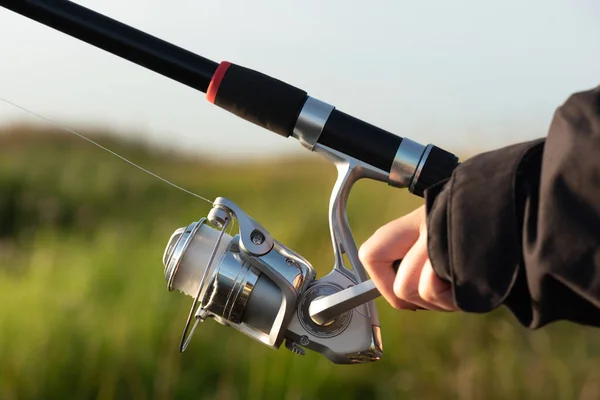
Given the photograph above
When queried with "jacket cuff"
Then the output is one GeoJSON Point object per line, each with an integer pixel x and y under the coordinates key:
{"type": "Point", "coordinates": [474, 229]}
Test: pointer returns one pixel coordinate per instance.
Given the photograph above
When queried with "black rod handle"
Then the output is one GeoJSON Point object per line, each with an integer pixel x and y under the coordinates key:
{"type": "Point", "coordinates": [119, 39]}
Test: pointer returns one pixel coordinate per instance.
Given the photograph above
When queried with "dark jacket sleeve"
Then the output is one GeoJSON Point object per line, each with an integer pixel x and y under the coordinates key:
{"type": "Point", "coordinates": [520, 226]}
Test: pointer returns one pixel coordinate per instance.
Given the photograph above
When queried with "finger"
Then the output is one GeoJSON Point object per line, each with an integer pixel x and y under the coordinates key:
{"type": "Point", "coordinates": [388, 244]}
{"type": "Point", "coordinates": [394, 239]}
{"type": "Point", "coordinates": [435, 291]}
{"type": "Point", "coordinates": [384, 280]}
{"type": "Point", "coordinates": [407, 283]}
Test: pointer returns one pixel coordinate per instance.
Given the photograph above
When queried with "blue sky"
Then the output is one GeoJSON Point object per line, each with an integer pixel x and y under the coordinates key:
{"type": "Point", "coordinates": [461, 74]}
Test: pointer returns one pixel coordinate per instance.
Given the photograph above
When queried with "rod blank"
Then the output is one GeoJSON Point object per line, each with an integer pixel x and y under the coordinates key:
{"type": "Point", "coordinates": [119, 39]}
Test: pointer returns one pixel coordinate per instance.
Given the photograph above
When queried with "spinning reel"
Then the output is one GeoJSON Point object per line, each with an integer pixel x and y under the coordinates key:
{"type": "Point", "coordinates": [265, 290]}
{"type": "Point", "coordinates": [251, 282]}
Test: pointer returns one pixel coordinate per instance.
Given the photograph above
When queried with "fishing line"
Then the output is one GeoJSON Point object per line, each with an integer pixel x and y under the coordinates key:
{"type": "Point", "coordinates": [57, 125]}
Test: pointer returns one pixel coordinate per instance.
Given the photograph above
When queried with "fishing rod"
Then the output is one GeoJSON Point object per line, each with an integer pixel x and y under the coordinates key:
{"type": "Point", "coordinates": [250, 281]}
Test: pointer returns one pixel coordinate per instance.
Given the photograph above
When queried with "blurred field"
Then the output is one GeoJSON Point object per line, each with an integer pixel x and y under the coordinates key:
{"type": "Point", "coordinates": [86, 315]}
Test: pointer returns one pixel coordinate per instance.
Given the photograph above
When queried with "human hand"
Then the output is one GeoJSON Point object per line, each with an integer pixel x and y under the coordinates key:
{"type": "Point", "coordinates": [415, 285]}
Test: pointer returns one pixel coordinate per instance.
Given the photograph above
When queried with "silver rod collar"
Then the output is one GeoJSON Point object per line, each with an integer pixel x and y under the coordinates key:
{"type": "Point", "coordinates": [406, 163]}
{"type": "Point", "coordinates": [311, 122]}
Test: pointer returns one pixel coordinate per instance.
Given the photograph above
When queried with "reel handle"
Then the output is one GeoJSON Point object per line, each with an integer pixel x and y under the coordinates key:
{"type": "Point", "coordinates": [324, 309]}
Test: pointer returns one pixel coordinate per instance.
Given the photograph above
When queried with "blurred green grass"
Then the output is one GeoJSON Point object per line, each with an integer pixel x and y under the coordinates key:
{"type": "Point", "coordinates": [86, 315]}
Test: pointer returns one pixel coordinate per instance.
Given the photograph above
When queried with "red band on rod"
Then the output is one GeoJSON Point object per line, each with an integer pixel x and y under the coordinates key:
{"type": "Point", "coordinates": [215, 82]}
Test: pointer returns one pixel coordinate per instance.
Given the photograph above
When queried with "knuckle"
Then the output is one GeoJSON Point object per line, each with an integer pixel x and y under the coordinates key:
{"type": "Point", "coordinates": [397, 305]}
{"type": "Point", "coordinates": [427, 289]}
{"type": "Point", "coordinates": [366, 253]}
{"type": "Point", "coordinates": [427, 294]}
{"type": "Point", "coordinates": [406, 293]}
{"type": "Point", "coordinates": [399, 291]}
